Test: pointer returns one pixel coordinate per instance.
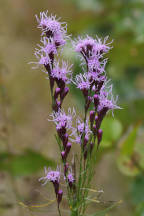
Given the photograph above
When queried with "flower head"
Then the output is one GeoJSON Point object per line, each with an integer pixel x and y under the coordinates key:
{"type": "Point", "coordinates": [52, 176]}
{"type": "Point", "coordinates": [61, 119]}
{"type": "Point", "coordinates": [70, 177]}
{"type": "Point", "coordinates": [96, 65]}
{"type": "Point", "coordinates": [47, 46]}
{"type": "Point", "coordinates": [81, 129]}
{"type": "Point", "coordinates": [52, 27]}
{"type": "Point", "coordinates": [43, 59]}
{"type": "Point", "coordinates": [85, 45]}
{"type": "Point", "coordinates": [106, 99]}
{"type": "Point", "coordinates": [63, 73]}
{"type": "Point", "coordinates": [89, 46]}
{"type": "Point", "coordinates": [82, 81]}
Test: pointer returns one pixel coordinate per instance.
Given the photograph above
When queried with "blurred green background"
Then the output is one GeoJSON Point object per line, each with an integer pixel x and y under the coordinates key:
{"type": "Point", "coordinates": [26, 144]}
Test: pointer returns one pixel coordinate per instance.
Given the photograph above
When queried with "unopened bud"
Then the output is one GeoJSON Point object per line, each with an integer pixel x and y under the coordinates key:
{"type": "Point", "coordinates": [66, 166]}
{"type": "Point", "coordinates": [57, 91]}
{"type": "Point", "coordinates": [59, 196]}
{"type": "Point", "coordinates": [64, 93]}
{"type": "Point", "coordinates": [68, 147]}
{"type": "Point", "coordinates": [65, 140]}
{"type": "Point", "coordinates": [96, 100]}
{"type": "Point", "coordinates": [88, 102]}
{"type": "Point", "coordinates": [99, 136]}
{"type": "Point", "coordinates": [85, 92]}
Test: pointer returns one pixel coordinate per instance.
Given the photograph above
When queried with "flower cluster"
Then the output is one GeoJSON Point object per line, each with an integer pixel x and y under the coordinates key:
{"type": "Point", "coordinates": [98, 101]}
{"type": "Point", "coordinates": [54, 36]}
{"type": "Point", "coordinates": [94, 85]}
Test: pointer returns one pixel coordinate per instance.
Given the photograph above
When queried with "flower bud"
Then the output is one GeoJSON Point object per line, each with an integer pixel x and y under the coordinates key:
{"type": "Point", "coordinates": [96, 100]}
{"type": "Point", "coordinates": [68, 147]}
{"type": "Point", "coordinates": [66, 166]}
{"type": "Point", "coordinates": [59, 196]}
{"type": "Point", "coordinates": [51, 82]}
{"type": "Point", "coordinates": [99, 136]}
{"type": "Point", "coordinates": [85, 141]}
{"type": "Point", "coordinates": [94, 129]}
{"type": "Point", "coordinates": [57, 91]}
{"type": "Point", "coordinates": [85, 154]}
{"type": "Point", "coordinates": [65, 140]}
{"type": "Point", "coordinates": [88, 102]}
{"type": "Point", "coordinates": [64, 93]}
{"type": "Point", "coordinates": [92, 115]}
{"type": "Point", "coordinates": [91, 146]}
{"type": "Point", "coordinates": [60, 83]}
{"type": "Point", "coordinates": [85, 92]}
{"type": "Point", "coordinates": [57, 105]}
{"type": "Point", "coordinates": [63, 154]}
{"type": "Point", "coordinates": [56, 187]}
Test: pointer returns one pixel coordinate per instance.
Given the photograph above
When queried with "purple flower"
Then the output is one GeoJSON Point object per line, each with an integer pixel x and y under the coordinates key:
{"type": "Point", "coordinates": [47, 47]}
{"type": "Point", "coordinates": [102, 46]}
{"type": "Point", "coordinates": [52, 28]}
{"type": "Point", "coordinates": [96, 65]}
{"type": "Point", "coordinates": [59, 196]}
{"type": "Point", "coordinates": [106, 99]}
{"type": "Point", "coordinates": [91, 47]}
{"type": "Point", "coordinates": [63, 73]}
{"type": "Point", "coordinates": [82, 81]}
{"type": "Point", "coordinates": [42, 60]}
{"type": "Point", "coordinates": [50, 175]}
{"type": "Point", "coordinates": [70, 177]}
{"type": "Point", "coordinates": [61, 119]}
{"type": "Point", "coordinates": [80, 130]}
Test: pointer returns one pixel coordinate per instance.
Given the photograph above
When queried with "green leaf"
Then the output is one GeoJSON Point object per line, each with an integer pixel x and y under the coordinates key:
{"type": "Point", "coordinates": [112, 129]}
{"type": "Point", "coordinates": [125, 160]}
{"type": "Point", "coordinates": [24, 164]}
{"type": "Point", "coordinates": [139, 149]}
{"type": "Point", "coordinates": [137, 192]}
{"type": "Point", "coordinates": [127, 146]}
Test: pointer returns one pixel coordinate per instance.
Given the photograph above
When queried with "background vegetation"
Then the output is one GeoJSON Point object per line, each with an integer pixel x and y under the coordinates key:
{"type": "Point", "coordinates": [26, 144]}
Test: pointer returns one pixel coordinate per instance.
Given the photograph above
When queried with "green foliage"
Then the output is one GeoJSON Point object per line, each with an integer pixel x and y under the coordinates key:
{"type": "Point", "coordinates": [137, 191]}
{"type": "Point", "coordinates": [112, 131]}
{"type": "Point", "coordinates": [25, 164]}
{"type": "Point", "coordinates": [140, 210]}
{"type": "Point", "coordinates": [126, 161]}
{"type": "Point", "coordinates": [128, 144]}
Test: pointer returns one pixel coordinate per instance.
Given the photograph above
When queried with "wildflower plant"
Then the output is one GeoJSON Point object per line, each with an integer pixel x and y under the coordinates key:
{"type": "Point", "coordinates": [71, 130]}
